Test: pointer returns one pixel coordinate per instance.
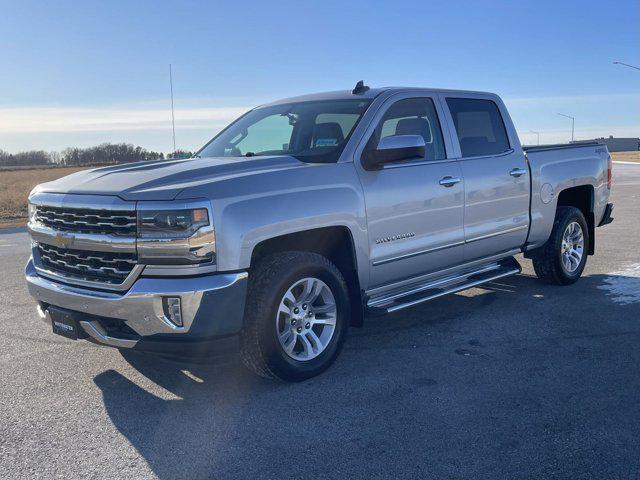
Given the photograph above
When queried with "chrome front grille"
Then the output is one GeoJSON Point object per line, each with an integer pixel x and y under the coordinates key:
{"type": "Point", "coordinates": [82, 220]}
{"type": "Point", "coordinates": [85, 240]}
{"type": "Point", "coordinates": [104, 267]}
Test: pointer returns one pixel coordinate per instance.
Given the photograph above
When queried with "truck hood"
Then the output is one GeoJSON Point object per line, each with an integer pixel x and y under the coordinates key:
{"type": "Point", "coordinates": [165, 179]}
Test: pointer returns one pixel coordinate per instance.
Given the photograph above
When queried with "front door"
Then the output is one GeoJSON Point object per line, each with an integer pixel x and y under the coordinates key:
{"type": "Point", "coordinates": [496, 217]}
{"type": "Point", "coordinates": [414, 209]}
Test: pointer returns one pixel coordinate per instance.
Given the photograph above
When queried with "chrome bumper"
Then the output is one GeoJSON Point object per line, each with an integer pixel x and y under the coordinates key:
{"type": "Point", "coordinates": [212, 306]}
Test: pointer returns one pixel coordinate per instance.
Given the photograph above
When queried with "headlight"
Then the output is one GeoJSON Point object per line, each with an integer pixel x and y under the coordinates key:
{"type": "Point", "coordinates": [171, 223]}
{"type": "Point", "coordinates": [170, 234]}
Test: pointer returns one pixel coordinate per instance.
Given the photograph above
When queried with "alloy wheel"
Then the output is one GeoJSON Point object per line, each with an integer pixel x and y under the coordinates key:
{"type": "Point", "coordinates": [572, 248]}
{"type": "Point", "coordinates": [306, 319]}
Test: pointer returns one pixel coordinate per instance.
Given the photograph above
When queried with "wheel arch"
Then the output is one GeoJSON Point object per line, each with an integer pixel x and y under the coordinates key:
{"type": "Point", "coordinates": [333, 242]}
{"type": "Point", "coordinates": [581, 197]}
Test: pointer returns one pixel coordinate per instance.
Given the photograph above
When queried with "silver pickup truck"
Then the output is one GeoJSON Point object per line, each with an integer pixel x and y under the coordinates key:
{"type": "Point", "coordinates": [303, 216]}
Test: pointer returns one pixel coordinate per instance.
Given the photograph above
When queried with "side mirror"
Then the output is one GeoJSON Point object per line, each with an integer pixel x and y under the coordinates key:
{"type": "Point", "coordinates": [395, 148]}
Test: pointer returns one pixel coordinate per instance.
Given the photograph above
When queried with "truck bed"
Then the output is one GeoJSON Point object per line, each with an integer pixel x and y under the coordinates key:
{"type": "Point", "coordinates": [555, 168]}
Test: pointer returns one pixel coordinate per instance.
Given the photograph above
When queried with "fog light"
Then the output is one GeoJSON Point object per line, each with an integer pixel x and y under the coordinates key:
{"type": "Point", "coordinates": [172, 310]}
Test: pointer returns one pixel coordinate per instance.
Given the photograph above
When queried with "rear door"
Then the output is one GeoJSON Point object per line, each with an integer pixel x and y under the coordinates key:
{"type": "Point", "coordinates": [496, 175]}
{"type": "Point", "coordinates": [415, 208]}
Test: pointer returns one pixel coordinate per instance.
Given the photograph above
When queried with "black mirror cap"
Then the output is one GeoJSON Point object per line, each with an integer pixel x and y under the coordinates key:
{"type": "Point", "coordinates": [370, 161]}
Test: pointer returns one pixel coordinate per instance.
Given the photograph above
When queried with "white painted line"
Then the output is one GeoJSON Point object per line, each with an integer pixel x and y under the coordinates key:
{"type": "Point", "coordinates": [623, 286]}
{"type": "Point", "coordinates": [626, 163]}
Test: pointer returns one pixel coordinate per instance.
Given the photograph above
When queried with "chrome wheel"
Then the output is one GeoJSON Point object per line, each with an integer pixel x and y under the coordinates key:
{"type": "Point", "coordinates": [572, 247]}
{"type": "Point", "coordinates": [306, 319]}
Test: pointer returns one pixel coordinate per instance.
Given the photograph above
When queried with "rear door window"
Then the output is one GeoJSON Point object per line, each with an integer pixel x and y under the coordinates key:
{"type": "Point", "coordinates": [479, 126]}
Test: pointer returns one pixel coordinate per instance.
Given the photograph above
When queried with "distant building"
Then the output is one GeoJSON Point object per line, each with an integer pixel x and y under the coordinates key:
{"type": "Point", "coordinates": [620, 144]}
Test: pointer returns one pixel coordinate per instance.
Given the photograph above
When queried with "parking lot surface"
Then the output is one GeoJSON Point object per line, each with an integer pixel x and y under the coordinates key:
{"type": "Point", "coordinates": [516, 379]}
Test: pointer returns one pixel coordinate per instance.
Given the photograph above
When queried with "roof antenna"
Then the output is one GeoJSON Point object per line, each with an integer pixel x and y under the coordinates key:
{"type": "Point", "coordinates": [173, 119]}
{"type": "Point", "coordinates": [360, 88]}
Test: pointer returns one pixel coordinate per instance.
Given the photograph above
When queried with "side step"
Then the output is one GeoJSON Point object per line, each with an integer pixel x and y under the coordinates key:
{"type": "Point", "coordinates": [422, 292]}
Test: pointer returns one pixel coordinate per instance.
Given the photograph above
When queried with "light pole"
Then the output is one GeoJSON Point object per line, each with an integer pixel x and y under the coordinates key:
{"type": "Point", "coordinates": [626, 65]}
{"type": "Point", "coordinates": [537, 134]}
{"type": "Point", "coordinates": [573, 122]}
{"type": "Point", "coordinates": [173, 119]}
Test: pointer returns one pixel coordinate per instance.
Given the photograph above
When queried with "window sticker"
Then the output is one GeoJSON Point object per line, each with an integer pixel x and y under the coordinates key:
{"type": "Point", "coordinates": [326, 142]}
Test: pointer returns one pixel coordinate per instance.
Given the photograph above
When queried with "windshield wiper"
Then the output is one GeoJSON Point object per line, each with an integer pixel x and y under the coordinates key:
{"type": "Point", "coordinates": [249, 154]}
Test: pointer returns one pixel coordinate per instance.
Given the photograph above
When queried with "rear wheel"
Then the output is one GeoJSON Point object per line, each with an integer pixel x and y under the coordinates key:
{"type": "Point", "coordinates": [296, 316]}
{"type": "Point", "coordinates": [562, 259]}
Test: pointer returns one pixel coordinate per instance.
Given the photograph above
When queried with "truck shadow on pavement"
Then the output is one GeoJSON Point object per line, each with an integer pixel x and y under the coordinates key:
{"type": "Point", "coordinates": [219, 421]}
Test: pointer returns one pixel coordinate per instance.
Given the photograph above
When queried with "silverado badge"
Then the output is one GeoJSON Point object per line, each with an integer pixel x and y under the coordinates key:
{"type": "Point", "coordinates": [393, 238]}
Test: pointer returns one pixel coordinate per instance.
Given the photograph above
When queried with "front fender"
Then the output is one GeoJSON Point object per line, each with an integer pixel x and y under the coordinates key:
{"type": "Point", "coordinates": [331, 195]}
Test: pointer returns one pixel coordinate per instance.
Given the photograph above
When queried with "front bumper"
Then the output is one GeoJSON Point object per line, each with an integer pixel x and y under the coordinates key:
{"type": "Point", "coordinates": [212, 307]}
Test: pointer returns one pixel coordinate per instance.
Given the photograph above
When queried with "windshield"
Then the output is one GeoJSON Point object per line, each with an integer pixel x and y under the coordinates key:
{"type": "Point", "coordinates": [314, 132]}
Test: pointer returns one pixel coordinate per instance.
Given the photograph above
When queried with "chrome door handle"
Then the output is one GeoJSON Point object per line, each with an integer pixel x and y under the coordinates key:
{"type": "Point", "coordinates": [449, 181]}
{"type": "Point", "coordinates": [517, 172]}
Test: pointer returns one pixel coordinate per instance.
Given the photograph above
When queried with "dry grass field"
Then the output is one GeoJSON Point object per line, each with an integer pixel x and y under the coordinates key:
{"type": "Point", "coordinates": [626, 156]}
{"type": "Point", "coordinates": [15, 185]}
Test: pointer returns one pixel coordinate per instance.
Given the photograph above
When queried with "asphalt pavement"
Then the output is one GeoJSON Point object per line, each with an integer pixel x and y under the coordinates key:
{"type": "Point", "coordinates": [513, 380]}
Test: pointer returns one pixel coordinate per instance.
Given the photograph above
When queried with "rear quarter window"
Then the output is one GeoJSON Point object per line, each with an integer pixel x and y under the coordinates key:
{"type": "Point", "coordinates": [479, 126]}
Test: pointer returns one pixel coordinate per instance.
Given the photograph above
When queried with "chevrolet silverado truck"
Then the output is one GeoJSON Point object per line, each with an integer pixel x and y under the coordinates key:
{"type": "Point", "coordinates": [305, 215]}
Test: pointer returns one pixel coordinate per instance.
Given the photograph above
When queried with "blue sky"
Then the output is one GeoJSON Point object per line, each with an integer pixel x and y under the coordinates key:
{"type": "Point", "coordinates": [82, 73]}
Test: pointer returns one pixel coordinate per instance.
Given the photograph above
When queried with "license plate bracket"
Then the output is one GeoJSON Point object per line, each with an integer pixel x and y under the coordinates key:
{"type": "Point", "coordinates": [65, 324]}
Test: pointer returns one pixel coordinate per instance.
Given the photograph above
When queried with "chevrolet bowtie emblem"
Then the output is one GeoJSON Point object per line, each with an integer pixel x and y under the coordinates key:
{"type": "Point", "coordinates": [63, 240]}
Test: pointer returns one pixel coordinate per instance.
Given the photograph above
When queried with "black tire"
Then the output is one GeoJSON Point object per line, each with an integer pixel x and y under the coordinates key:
{"type": "Point", "coordinates": [269, 280]}
{"type": "Point", "coordinates": [547, 262]}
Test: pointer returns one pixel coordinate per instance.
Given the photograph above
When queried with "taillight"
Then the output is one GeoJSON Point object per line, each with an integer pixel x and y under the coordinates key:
{"type": "Point", "coordinates": [609, 172]}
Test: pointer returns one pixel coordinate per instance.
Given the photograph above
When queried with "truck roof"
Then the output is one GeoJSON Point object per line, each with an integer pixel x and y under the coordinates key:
{"type": "Point", "coordinates": [369, 94]}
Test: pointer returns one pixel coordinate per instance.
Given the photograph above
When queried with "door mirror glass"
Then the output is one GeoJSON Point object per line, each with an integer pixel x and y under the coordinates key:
{"type": "Point", "coordinates": [395, 148]}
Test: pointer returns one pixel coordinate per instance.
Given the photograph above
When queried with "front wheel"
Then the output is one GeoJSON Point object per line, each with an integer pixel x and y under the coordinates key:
{"type": "Point", "coordinates": [296, 317]}
{"type": "Point", "coordinates": [562, 259]}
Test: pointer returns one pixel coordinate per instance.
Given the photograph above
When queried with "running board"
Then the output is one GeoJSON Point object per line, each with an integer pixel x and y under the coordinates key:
{"type": "Point", "coordinates": [423, 292]}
